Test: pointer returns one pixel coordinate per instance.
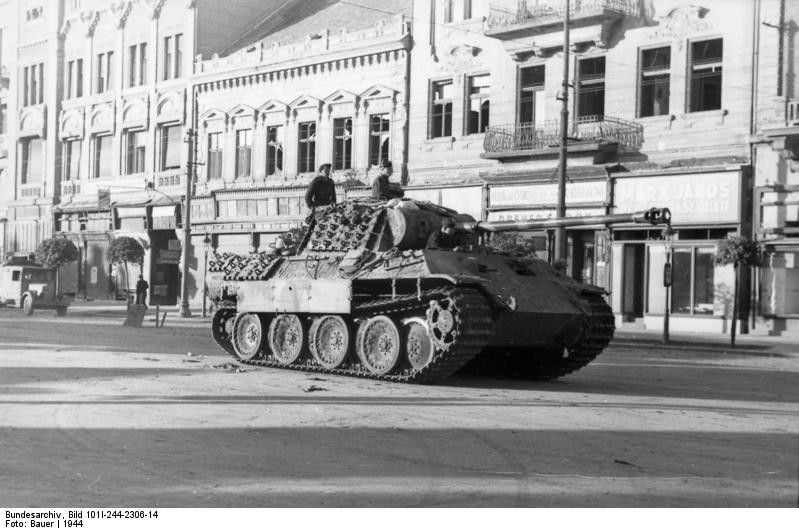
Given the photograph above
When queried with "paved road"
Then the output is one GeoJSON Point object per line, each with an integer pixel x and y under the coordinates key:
{"type": "Point", "coordinates": [95, 414]}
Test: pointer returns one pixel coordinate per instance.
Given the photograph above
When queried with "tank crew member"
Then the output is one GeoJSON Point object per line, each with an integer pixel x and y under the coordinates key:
{"type": "Point", "coordinates": [322, 191]}
{"type": "Point", "coordinates": [382, 189]}
{"type": "Point", "coordinates": [445, 238]}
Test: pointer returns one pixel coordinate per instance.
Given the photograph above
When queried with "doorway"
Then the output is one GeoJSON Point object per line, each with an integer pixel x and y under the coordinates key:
{"type": "Point", "coordinates": [632, 306]}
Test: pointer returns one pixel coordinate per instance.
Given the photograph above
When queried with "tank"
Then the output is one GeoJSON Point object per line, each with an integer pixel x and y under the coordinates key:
{"type": "Point", "coordinates": [356, 292]}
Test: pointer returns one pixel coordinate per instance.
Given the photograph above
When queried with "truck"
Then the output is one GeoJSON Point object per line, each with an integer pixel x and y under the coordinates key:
{"type": "Point", "coordinates": [26, 285]}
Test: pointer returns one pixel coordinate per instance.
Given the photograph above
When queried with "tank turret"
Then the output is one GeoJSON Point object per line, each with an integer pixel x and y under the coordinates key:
{"type": "Point", "coordinates": [360, 294]}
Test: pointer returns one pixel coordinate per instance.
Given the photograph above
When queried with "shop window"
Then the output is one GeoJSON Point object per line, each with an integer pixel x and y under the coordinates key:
{"type": "Point", "coordinates": [342, 143]}
{"type": "Point", "coordinates": [243, 153]}
{"type": "Point", "coordinates": [71, 162]}
{"type": "Point", "coordinates": [105, 72]}
{"type": "Point", "coordinates": [274, 150]}
{"type": "Point", "coordinates": [441, 109]}
{"type": "Point", "coordinates": [693, 280]}
{"type": "Point", "coordinates": [479, 87]}
{"type": "Point", "coordinates": [214, 155]}
{"type": "Point", "coordinates": [32, 150]}
{"type": "Point", "coordinates": [591, 87]}
{"type": "Point", "coordinates": [379, 138]}
{"type": "Point", "coordinates": [170, 147]}
{"type": "Point", "coordinates": [136, 142]}
{"type": "Point", "coordinates": [283, 206]}
{"type": "Point", "coordinates": [531, 95]}
{"type": "Point", "coordinates": [102, 157]}
{"type": "Point", "coordinates": [654, 81]}
{"type": "Point", "coordinates": [705, 87]}
{"type": "Point", "coordinates": [307, 147]}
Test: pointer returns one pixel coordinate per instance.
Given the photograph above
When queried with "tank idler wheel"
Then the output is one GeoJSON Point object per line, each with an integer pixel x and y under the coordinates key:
{"type": "Point", "coordinates": [378, 344]}
{"type": "Point", "coordinates": [222, 328]}
{"type": "Point", "coordinates": [443, 320]}
{"type": "Point", "coordinates": [286, 338]}
{"type": "Point", "coordinates": [418, 345]}
{"type": "Point", "coordinates": [248, 336]}
{"type": "Point", "coordinates": [329, 341]}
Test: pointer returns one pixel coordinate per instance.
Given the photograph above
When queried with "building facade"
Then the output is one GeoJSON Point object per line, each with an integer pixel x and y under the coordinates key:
{"type": "Point", "coordinates": [659, 108]}
{"type": "Point", "coordinates": [271, 113]}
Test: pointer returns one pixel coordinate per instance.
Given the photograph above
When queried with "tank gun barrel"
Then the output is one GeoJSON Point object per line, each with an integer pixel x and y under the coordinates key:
{"type": "Point", "coordinates": [652, 216]}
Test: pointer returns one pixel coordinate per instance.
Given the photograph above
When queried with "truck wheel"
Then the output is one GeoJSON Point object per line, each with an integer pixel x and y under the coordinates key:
{"type": "Point", "coordinates": [27, 305]}
{"type": "Point", "coordinates": [61, 311]}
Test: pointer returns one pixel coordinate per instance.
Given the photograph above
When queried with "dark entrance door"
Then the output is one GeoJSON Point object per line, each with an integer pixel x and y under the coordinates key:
{"type": "Point", "coordinates": [164, 271]}
{"type": "Point", "coordinates": [633, 281]}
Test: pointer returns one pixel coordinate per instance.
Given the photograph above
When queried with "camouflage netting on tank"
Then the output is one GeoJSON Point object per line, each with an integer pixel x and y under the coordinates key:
{"type": "Point", "coordinates": [236, 267]}
{"type": "Point", "coordinates": [345, 226]}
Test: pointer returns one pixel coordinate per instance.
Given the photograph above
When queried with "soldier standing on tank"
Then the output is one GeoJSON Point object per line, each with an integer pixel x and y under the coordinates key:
{"type": "Point", "coordinates": [322, 190]}
{"type": "Point", "coordinates": [381, 187]}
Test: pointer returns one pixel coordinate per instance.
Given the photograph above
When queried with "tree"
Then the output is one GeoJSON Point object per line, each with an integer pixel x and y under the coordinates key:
{"type": "Point", "coordinates": [739, 252]}
{"type": "Point", "coordinates": [54, 253]}
{"type": "Point", "coordinates": [124, 250]}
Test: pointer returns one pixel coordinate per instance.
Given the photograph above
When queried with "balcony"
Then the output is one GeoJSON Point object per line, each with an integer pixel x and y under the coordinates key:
{"type": "Point", "coordinates": [70, 187]}
{"type": "Point", "coordinates": [514, 18]}
{"type": "Point", "coordinates": [586, 134]}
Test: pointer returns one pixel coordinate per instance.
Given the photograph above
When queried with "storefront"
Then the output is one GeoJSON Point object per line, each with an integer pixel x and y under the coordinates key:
{"type": "Point", "coordinates": [706, 208]}
{"type": "Point", "coordinates": [88, 226]}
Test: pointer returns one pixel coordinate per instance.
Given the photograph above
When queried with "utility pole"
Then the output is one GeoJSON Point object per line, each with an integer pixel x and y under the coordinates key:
{"type": "Point", "coordinates": [191, 139]}
{"type": "Point", "coordinates": [560, 233]}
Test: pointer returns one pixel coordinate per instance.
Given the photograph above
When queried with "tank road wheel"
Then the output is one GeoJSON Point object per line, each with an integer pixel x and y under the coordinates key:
{"type": "Point", "coordinates": [444, 322]}
{"type": "Point", "coordinates": [418, 345]}
{"type": "Point", "coordinates": [222, 329]}
{"type": "Point", "coordinates": [286, 338]}
{"type": "Point", "coordinates": [248, 336]}
{"type": "Point", "coordinates": [329, 341]}
{"type": "Point", "coordinates": [378, 344]}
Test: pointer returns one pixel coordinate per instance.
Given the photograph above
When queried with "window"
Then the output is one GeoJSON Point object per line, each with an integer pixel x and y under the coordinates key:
{"type": "Point", "coordinates": [31, 158]}
{"type": "Point", "coordinates": [102, 157]}
{"type": "Point", "coordinates": [173, 57]}
{"type": "Point", "coordinates": [441, 111]}
{"type": "Point", "coordinates": [591, 87]}
{"type": "Point", "coordinates": [274, 150]}
{"type": "Point", "coordinates": [479, 103]}
{"type": "Point", "coordinates": [3, 117]}
{"type": "Point", "coordinates": [170, 147]}
{"type": "Point", "coordinates": [33, 87]}
{"type": "Point", "coordinates": [705, 74]}
{"type": "Point", "coordinates": [105, 71]}
{"type": "Point", "coordinates": [307, 147]}
{"type": "Point", "coordinates": [379, 138]}
{"type": "Point", "coordinates": [74, 82]}
{"type": "Point", "coordinates": [243, 153]}
{"type": "Point", "coordinates": [137, 64]}
{"type": "Point", "coordinates": [134, 159]}
{"type": "Point", "coordinates": [214, 155]}
{"type": "Point", "coordinates": [342, 143]}
{"type": "Point", "coordinates": [467, 9]}
{"type": "Point", "coordinates": [693, 288]}
{"type": "Point", "coordinates": [531, 100]}
{"type": "Point", "coordinates": [15, 275]}
{"type": "Point", "coordinates": [71, 166]}
{"type": "Point", "coordinates": [654, 81]}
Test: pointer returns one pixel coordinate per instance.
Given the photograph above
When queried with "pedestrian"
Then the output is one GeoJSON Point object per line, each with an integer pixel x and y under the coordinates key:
{"type": "Point", "coordinates": [141, 290]}
{"type": "Point", "coordinates": [382, 188]}
{"type": "Point", "coordinates": [322, 190]}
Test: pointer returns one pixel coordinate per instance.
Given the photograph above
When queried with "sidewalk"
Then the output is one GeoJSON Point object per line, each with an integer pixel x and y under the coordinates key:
{"type": "Point", "coordinates": [118, 309]}
{"type": "Point", "coordinates": [707, 342]}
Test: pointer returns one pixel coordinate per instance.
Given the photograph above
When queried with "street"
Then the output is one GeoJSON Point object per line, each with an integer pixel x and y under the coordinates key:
{"type": "Point", "coordinates": [95, 414]}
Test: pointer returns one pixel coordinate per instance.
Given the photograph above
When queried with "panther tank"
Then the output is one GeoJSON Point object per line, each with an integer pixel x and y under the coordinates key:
{"type": "Point", "coordinates": [359, 294]}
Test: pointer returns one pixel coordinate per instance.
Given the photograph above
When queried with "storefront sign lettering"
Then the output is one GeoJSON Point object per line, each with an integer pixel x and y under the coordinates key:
{"type": "Point", "coordinates": [542, 214]}
{"type": "Point", "coordinates": [547, 194]}
{"type": "Point", "coordinates": [709, 197]}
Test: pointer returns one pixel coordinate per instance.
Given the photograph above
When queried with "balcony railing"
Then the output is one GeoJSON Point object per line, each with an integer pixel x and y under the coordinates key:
{"type": "Point", "coordinates": [70, 187]}
{"type": "Point", "coordinates": [516, 12]}
{"type": "Point", "coordinates": [584, 130]}
{"type": "Point", "coordinates": [168, 178]}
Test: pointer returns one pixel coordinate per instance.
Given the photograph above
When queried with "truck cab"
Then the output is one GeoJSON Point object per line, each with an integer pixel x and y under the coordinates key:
{"type": "Point", "coordinates": [27, 285]}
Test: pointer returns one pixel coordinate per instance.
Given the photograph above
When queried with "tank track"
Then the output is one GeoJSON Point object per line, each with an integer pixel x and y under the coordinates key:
{"type": "Point", "coordinates": [476, 331]}
{"type": "Point", "coordinates": [548, 364]}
